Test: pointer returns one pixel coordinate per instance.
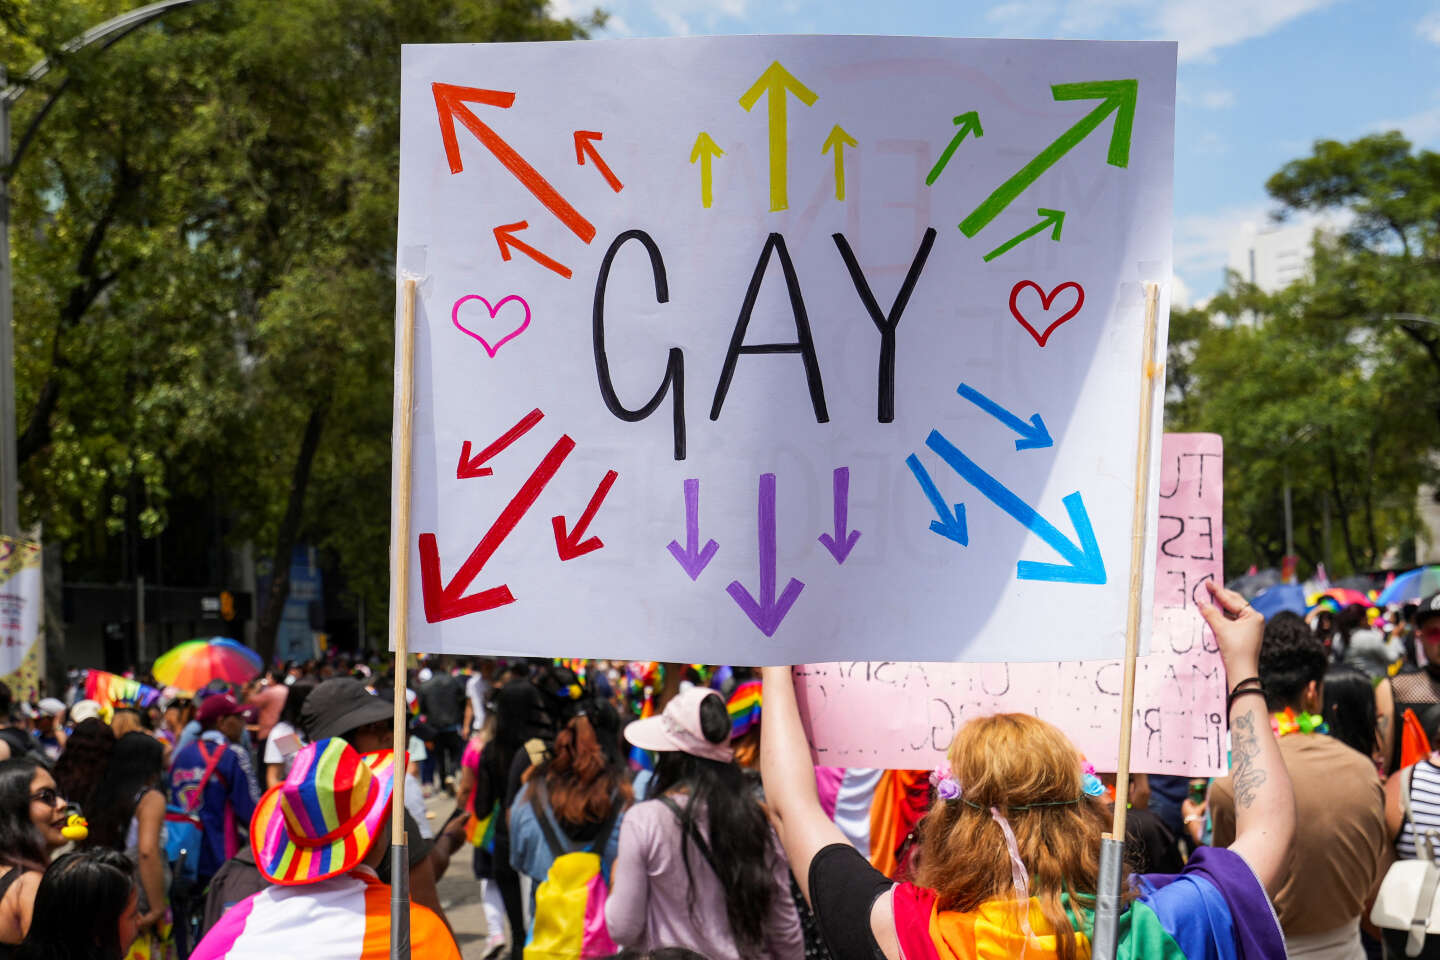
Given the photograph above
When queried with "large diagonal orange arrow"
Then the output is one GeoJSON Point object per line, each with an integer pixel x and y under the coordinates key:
{"type": "Point", "coordinates": [450, 103]}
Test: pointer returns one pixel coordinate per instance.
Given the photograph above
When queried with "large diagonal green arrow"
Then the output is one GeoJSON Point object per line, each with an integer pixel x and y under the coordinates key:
{"type": "Point", "coordinates": [1119, 99]}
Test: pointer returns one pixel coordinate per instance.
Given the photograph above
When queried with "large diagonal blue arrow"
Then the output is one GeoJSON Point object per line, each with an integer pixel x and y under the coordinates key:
{"type": "Point", "coordinates": [1084, 563]}
{"type": "Point", "coordinates": [1033, 435]}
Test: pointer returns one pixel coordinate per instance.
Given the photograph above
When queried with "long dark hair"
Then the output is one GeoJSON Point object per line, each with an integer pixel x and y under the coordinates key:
{"type": "Point", "coordinates": [21, 844]}
{"type": "Point", "coordinates": [294, 701]}
{"type": "Point", "coordinates": [136, 765]}
{"type": "Point", "coordinates": [82, 763]}
{"type": "Point", "coordinates": [78, 907]}
{"type": "Point", "coordinates": [1350, 708]}
{"type": "Point", "coordinates": [736, 829]}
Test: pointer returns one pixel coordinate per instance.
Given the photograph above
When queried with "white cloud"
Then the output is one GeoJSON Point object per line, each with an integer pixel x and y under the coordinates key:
{"type": "Point", "coordinates": [1216, 99]}
{"type": "Point", "coordinates": [675, 18]}
{"type": "Point", "coordinates": [1179, 291]}
{"type": "Point", "coordinates": [1421, 127]}
{"type": "Point", "coordinates": [1429, 26]}
{"type": "Point", "coordinates": [1201, 28]}
{"type": "Point", "coordinates": [1203, 240]}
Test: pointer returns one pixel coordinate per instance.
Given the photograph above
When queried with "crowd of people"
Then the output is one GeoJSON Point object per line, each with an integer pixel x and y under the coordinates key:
{"type": "Point", "coordinates": [612, 809]}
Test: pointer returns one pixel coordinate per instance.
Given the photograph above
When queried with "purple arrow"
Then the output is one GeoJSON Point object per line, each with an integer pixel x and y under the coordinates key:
{"type": "Point", "coordinates": [693, 559]}
{"type": "Point", "coordinates": [841, 543]}
{"type": "Point", "coordinates": [768, 611]}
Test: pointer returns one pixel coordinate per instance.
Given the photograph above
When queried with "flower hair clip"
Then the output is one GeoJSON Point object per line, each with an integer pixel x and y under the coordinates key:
{"type": "Point", "coordinates": [1089, 782]}
{"type": "Point", "coordinates": [946, 786]}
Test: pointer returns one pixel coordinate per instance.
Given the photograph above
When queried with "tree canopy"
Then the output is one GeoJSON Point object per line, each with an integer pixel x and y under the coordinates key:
{"type": "Point", "coordinates": [1332, 385]}
{"type": "Point", "coordinates": [204, 253]}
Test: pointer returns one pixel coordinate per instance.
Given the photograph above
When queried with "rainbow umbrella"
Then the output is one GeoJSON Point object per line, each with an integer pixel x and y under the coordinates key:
{"type": "Point", "coordinates": [195, 663]}
{"type": "Point", "coordinates": [1411, 585]}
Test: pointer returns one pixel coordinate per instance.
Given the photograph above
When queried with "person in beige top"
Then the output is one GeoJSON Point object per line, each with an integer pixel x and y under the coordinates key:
{"type": "Point", "coordinates": [1335, 859]}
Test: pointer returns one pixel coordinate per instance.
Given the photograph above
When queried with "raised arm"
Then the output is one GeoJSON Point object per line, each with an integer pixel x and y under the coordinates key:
{"type": "Point", "coordinates": [789, 778]}
{"type": "Point", "coordinates": [1264, 800]}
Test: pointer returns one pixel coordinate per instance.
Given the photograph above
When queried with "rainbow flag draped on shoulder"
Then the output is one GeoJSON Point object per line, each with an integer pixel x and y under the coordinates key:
{"type": "Point", "coordinates": [1214, 910]}
{"type": "Point", "coordinates": [346, 917]}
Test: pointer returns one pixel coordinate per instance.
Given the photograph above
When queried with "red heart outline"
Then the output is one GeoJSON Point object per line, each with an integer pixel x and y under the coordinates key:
{"type": "Point", "coordinates": [1045, 300]}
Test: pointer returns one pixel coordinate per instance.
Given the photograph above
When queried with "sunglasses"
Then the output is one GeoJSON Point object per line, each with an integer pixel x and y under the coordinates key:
{"type": "Point", "coordinates": [48, 796]}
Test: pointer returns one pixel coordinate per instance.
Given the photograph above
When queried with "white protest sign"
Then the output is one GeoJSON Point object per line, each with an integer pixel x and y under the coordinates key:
{"type": "Point", "coordinates": [780, 349]}
{"type": "Point", "coordinates": [879, 713]}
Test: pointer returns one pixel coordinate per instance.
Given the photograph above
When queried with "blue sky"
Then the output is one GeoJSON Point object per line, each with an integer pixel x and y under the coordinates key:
{"type": "Point", "coordinates": [1260, 80]}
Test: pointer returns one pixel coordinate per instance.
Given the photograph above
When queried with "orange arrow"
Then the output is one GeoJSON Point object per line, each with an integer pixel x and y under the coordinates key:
{"type": "Point", "coordinates": [505, 236]}
{"type": "Point", "coordinates": [450, 103]}
{"type": "Point", "coordinates": [585, 144]}
{"type": "Point", "coordinates": [571, 545]}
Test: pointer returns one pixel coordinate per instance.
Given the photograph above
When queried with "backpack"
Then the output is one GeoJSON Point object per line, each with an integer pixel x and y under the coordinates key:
{"type": "Point", "coordinates": [570, 901]}
{"type": "Point", "coordinates": [184, 833]}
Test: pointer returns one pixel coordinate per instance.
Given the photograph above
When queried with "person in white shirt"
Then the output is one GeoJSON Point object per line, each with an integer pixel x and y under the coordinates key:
{"type": "Point", "coordinates": [286, 737]}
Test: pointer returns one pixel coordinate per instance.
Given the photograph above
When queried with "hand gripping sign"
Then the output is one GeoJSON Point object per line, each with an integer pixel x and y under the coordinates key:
{"type": "Point", "coordinates": [779, 349]}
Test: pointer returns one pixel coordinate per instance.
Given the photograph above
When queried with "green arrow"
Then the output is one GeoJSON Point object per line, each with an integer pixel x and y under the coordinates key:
{"type": "Point", "coordinates": [968, 123]}
{"type": "Point", "coordinates": [1119, 98]}
{"type": "Point", "coordinates": [1048, 218]}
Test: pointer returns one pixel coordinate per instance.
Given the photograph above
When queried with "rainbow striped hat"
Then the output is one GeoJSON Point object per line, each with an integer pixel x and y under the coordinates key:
{"type": "Point", "coordinates": [324, 818]}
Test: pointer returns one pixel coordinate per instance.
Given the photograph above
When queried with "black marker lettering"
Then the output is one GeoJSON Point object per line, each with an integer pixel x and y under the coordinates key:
{"type": "Point", "coordinates": [886, 323]}
{"type": "Point", "coordinates": [674, 368]}
{"type": "Point", "coordinates": [803, 345]}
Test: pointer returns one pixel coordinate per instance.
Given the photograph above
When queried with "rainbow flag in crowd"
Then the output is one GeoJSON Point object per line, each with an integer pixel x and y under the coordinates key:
{"type": "Point", "coordinates": [111, 691]}
{"type": "Point", "coordinates": [1214, 910]}
{"type": "Point", "coordinates": [744, 707]}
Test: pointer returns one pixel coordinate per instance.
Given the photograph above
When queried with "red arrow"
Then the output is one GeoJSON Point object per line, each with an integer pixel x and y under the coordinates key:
{"type": "Point", "coordinates": [448, 601]}
{"type": "Point", "coordinates": [470, 468]}
{"type": "Point", "coordinates": [568, 545]}
{"type": "Point", "coordinates": [505, 236]}
{"type": "Point", "coordinates": [585, 144]}
{"type": "Point", "coordinates": [450, 103]}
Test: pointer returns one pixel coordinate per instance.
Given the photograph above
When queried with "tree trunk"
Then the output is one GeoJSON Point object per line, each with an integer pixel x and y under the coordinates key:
{"type": "Point", "coordinates": [1343, 509]}
{"type": "Point", "coordinates": [279, 590]}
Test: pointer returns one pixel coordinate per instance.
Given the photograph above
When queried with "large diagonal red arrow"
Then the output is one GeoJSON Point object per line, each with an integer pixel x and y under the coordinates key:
{"type": "Point", "coordinates": [450, 103]}
{"type": "Point", "coordinates": [447, 601]}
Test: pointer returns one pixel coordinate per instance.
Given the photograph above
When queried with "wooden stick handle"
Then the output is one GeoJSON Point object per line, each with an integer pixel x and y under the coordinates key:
{"type": "Point", "coordinates": [400, 554]}
{"type": "Point", "coordinates": [1149, 370]}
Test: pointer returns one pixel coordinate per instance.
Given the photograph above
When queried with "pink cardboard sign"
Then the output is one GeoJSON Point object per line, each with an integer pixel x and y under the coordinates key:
{"type": "Point", "coordinates": [872, 713]}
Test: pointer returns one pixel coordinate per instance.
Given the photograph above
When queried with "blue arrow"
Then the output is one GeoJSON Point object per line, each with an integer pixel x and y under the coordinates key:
{"type": "Point", "coordinates": [1033, 435]}
{"type": "Point", "coordinates": [950, 526]}
{"type": "Point", "coordinates": [1084, 563]}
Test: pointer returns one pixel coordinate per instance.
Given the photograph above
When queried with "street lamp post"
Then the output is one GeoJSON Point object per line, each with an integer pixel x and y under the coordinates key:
{"type": "Point", "coordinates": [105, 34]}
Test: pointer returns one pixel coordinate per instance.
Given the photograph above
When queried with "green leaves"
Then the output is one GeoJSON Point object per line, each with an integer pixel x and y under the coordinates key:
{"type": "Point", "coordinates": [204, 245]}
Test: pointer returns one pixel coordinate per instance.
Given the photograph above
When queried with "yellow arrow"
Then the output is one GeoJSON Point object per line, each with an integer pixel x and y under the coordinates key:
{"type": "Point", "coordinates": [775, 81]}
{"type": "Point", "coordinates": [838, 141]}
{"type": "Point", "coordinates": [704, 151]}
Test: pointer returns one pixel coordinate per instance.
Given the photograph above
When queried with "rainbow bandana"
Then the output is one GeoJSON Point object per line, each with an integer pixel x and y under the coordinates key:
{"type": "Point", "coordinates": [744, 707]}
{"type": "Point", "coordinates": [322, 820]}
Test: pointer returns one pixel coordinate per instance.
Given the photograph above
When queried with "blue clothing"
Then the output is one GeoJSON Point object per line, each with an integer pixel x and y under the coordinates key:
{"type": "Point", "coordinates": [188, 735]}
{"type": "Point", "coordinates": [231, 794]}
{"type": "Point", "coordinates": [530, 854]}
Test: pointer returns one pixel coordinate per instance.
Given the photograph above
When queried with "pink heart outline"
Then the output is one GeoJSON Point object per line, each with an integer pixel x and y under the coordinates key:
{"type": "Point", "coordinates": [455, 319]}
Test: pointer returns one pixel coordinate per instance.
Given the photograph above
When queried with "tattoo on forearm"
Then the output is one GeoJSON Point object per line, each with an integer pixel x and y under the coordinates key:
{"type": "Point", "coordinates": [1244, 748]}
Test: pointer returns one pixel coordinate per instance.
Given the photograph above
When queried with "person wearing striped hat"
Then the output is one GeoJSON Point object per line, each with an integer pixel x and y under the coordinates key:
{"type": "Point", "coordinates": [317, 837]}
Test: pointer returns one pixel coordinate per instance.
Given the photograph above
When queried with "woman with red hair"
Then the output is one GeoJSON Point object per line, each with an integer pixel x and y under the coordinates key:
{"type": "Point", "coordinates": [1008, 855]}
{"type": "Point", "coordinates": [573, 800]}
